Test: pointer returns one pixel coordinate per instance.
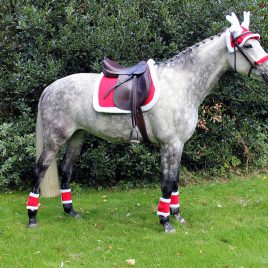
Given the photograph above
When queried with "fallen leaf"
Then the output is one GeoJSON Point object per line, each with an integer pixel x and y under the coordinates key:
{"type": "Point", "coordinates": [75, 255]}
{"type": "Point", "coordinates": [203, 202]}
{"type": "Point", "coordinates": [131, 261]}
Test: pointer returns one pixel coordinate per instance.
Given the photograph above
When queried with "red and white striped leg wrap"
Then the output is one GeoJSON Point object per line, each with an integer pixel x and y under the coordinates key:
{"type": "Point", "coordinates": [175, 200]}
{"type": "Point", "coordinates": [33, 201]}
{"type": "Point", "coordinates": [163, 207]}
{"type": "Point", "coordinates": [66, 196]}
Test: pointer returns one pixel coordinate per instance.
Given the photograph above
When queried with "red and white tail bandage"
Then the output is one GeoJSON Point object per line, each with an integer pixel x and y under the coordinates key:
{"type": "Point", "coordinates": [33, 201]}
{"type": "Point", "coordinates": [66, 196]}
{"type": "Point", "coordinates": [163, 207]}
{"type": "Point", "coordinates": [175, 200]}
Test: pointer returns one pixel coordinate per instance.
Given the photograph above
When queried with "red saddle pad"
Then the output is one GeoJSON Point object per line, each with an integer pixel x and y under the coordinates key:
{"type": "Point", "coordinates": [107, 105]}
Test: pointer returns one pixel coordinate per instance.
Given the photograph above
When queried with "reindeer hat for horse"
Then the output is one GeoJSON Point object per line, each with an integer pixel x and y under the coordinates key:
{"type": "Point", "coordinates": [236, 37]}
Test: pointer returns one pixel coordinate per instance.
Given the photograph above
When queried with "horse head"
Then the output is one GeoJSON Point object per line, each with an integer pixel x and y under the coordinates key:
{"type": "Point", "coordinates": [246, 55]}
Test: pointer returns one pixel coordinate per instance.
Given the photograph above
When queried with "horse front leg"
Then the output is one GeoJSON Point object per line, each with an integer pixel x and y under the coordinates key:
{"type": "Point", "coordinates": [170, 161]}
{"type": "Point", "coordinates": [175, 200]}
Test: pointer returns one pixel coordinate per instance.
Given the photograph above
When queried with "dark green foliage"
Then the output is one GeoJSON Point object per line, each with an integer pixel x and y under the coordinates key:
{"type": "Point", "coordinates": [104, 164]}
{"type": "Point", "coordinates": [41, 41]}
{"type": "Point", "coordinates": [17, 153]}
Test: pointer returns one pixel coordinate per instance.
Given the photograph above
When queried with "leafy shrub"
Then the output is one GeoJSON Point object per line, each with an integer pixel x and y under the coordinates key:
{"type": "Point", "coordinates": [17, 153]}
{"type": "Point", "coordinates": [106, 164]}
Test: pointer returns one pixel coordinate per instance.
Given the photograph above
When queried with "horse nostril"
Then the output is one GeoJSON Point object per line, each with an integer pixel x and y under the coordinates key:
{"type": "Point", "coordinates": [265, 78]}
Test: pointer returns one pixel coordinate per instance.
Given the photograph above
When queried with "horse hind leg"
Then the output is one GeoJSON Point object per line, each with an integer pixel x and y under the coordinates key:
{"type": "Point", "coordinates": [54, 137]}
{"type": "Point", "coordinates": [71, 154]}
{"type": "Point", "coordinates": [47, 156]}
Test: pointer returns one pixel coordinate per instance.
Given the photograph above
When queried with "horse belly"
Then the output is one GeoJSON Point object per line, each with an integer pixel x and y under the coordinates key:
{"type": "Point", "coordinates": [112, 127]}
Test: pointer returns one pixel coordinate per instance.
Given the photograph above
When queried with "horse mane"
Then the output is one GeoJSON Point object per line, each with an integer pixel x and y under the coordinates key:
{"type": "Point", "coordinates": [183, 54]}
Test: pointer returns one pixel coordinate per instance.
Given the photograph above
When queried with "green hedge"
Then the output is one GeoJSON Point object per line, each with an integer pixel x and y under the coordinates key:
{"type": "Point", "coordinates": [41, 41]}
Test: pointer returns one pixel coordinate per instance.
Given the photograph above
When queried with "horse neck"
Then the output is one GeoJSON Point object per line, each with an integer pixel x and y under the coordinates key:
{"type": "Point", "coordinates": [198, 68]}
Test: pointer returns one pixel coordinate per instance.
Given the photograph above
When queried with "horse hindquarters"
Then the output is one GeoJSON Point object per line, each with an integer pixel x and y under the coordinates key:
{"type": "Point", "coordinates": [49, 137]}
{"type": "Point", "coordinates": [50, 184]}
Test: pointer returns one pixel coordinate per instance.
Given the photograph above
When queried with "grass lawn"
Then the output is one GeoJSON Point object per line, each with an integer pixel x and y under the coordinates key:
{"type": "Point", "coordinates": [227, 227]}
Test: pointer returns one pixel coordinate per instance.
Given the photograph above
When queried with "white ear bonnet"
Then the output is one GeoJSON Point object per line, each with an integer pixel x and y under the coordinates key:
{"type": "Point", "coordinates": [240, 32]}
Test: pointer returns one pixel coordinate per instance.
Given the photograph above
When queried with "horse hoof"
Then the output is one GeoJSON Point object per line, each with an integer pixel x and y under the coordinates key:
{"type": "Point", "coordinates": [77, 216]}
{"type": "Point", "coordinates": [169, 228]}
{"type": "Point", "coordinates": [179, 218]}
{"type": "Point", "coordinates": [74, 214]}
{"type": "Point", "coordinates": [32, 225]}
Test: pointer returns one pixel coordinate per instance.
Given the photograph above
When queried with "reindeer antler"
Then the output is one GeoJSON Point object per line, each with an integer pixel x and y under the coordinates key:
{"type": "Point", "coordinates": [233, 20]}
{"type": "Point", "coordinates": [246, 21]}
{"type": "Point", "coordinates": [236, 30]}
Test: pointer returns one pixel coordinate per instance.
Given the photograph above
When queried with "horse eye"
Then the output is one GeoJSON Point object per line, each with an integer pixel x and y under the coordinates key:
{"type": "Point", "coordinates": [247, 46]}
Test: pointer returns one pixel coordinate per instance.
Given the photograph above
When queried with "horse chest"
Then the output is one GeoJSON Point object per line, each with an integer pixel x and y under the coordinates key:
{"type": "Point", "coordinates": [185, 124]}
{"type": "Point", "coordinates": [178, 123]}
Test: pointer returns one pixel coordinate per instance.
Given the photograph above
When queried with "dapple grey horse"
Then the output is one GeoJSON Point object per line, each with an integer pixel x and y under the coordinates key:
{"type": "Point", "coordinates": [65, 113]}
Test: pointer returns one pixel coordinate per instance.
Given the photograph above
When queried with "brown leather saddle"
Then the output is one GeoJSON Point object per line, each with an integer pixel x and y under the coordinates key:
{"type": "Point", "coordinates": [130, 92]}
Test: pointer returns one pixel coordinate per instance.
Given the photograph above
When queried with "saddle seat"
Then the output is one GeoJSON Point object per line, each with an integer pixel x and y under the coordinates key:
{"type": "Point", "coordinates": [131, 90]}
{"type": "Point", "coordinates": [112, 68]}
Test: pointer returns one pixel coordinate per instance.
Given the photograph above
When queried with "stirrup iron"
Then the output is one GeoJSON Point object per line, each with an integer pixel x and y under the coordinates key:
{"type": "Point", "coordinates": [134, 135]}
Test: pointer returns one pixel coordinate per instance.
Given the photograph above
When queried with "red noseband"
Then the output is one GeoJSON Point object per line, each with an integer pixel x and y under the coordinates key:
{"type": "Point", "coordinates": [262, 60]}
{"type": "Point", "coordinates": [252, 64]}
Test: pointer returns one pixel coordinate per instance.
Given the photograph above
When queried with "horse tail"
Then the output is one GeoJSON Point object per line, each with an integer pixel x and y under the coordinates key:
{"type": "Point", "coordinates": [50, 184]}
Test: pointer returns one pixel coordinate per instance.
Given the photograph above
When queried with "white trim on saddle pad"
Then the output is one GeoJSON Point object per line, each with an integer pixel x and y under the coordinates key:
{"type": "Point", "coordinates": [116, 110]}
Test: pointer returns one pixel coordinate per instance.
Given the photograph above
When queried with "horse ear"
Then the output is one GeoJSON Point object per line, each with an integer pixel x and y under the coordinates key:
{"type": "Point", "coordinates": [233, 19]}
{"type": "Point", "coordinates": [246, 21]}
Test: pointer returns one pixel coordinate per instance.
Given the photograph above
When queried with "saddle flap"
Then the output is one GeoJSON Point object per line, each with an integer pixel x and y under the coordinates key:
{"type": "Point", "coordinates": [123, 94]}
